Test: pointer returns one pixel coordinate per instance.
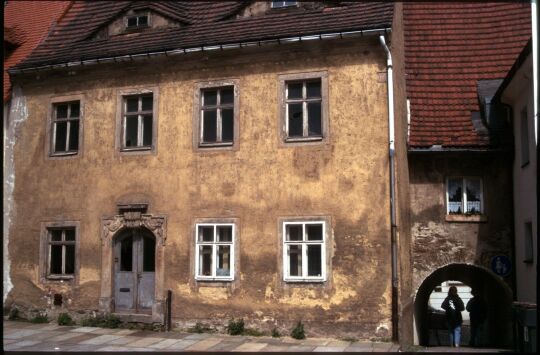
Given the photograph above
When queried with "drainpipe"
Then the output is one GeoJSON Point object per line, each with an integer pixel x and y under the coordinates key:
{"type": "Point", "coordinates": [391, 153]}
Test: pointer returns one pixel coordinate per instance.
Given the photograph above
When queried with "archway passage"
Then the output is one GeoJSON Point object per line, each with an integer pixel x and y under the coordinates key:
{"type": "Point", "coordinates": [134, 270]}
{"type": "Point", "coordinates": [497, 295]}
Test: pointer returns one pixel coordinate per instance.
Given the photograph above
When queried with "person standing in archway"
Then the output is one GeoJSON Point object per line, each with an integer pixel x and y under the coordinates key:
{"type": "Point", "coordinates": [478, 313]}
{"type": "Point", "coordinates": [453, 306]}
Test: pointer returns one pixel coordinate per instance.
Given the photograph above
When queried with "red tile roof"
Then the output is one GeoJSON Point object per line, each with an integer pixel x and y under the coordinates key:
{"type": "Point", "coordinates": [448, 48]}
{"type": "Point", "coordinates": [26, 23]}
{"type": "Point", "coordinates": [203, 23]}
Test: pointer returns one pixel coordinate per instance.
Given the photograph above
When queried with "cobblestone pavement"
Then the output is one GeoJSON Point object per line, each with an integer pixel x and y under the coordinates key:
{"type": "Point", "coordinates": [24, 336]}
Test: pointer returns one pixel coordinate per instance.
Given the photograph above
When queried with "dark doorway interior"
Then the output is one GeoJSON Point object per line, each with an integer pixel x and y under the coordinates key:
{"type": "Point", "coordinates": [497, 294]}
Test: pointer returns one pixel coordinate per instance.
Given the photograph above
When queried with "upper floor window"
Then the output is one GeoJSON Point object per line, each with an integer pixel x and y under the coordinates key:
{"type": "Point", "coordinates": [277, 4]}
{"type": "Point", "coordinates": [304, 251]}
{"type": "Point", "coordinates": [137, 122]}
{"type": "Point", "coordinates": [304, 107]}
{"type": "Point", "coordinates": [524, 136]}
{"type": "Point", "coordinates": [137, 21]}
{"type": "Point", "coordinates": [65, 128]}
{"type": "Point", "coordinates": [464, 195]}
{"type": "Point", "coordinates": [217, 116]}
{"type": "Point", "coordinates": [214, 253]}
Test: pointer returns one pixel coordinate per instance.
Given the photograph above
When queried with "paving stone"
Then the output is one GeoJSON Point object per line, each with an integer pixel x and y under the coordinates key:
{"type": "Point", "coordinates": [122, 340]}
{"type": "Point", "coordinates": [181, 345]}
{"type": "Point", "coordinates": [85, 329]}
{"type": "Point", "coordinates": [250, 347]}
{"type": "Point", "coordinates": [9, 341]}
{"type": "Point", "coordinates": [144, 342]}
{"type": "Point", "coordinates": [45, 335]}
{"type": "Point", "coordinates": [359, 348]}
{"type": "Point", "coordinates": [164, 343]}
{"type": "Point", "coordinates": [126, 332]}
{"type": "Point", "coordinates": [21, 333]}
{"type": "Point", "coordinates": [225, 345]}
{"type": "Point", "coordinates": [102, 339]}
{"type": "Point", "coordinates": [300, 348]}
{"type": "Point", "coordinates": [338, 343]}
{"type": "Point", "coordinates": [22, 344]}
{"type": "Point", "coordinates": [203, 345]}
{"type": "Point", "coordinates": [329, 349]}
{"type": "Point", "coordinates": [65, 336]}
{"type": "Point", "coordinates": [316, 342]}
{"type": "Point", "coordinates": [107, 331]}
{"type": "Point", "coordinates": [52, 327]}
{"type": "Point", "coordinates": [275, 348]}
{"type": "Point", "coordinates": [198, 336]}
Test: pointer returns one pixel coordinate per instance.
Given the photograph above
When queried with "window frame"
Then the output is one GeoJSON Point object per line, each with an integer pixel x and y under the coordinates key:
{"type": "Point", "coordinates": [200, 87]}
{"type": "Point", "coordinates": [284, 80]}
{"type": "Point", "coordinates": [50, 129]}
{"type": "Point", "coordinates": [137, 16]}
{"type": "Point", "coordinates": [464, 196]}
{"type": "Point", "coordinates": [45, 255]}
{"type": "Point", "coordinates": [324, 254]}
{"type": "Point", "coordinates": [214, 245]}
{"type": "Point", "coordinates": [122, 95]}
{"type": "Point", "coordinates": [283, 4]}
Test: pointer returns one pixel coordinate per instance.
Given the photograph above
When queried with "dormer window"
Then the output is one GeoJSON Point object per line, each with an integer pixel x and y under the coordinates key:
{"type": "Point", "coordinates": [280, 4]}
{"type": "Point", "coordinates": [137, 21]}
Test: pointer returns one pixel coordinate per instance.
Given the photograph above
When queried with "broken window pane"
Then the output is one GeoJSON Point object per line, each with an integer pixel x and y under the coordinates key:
{"type": "Point", "coordinates": [227, 96]}
{"type": "Point", "coordinates": [206, 233]}
{"type": "Point", "coordinates": [61, 136]}
{"type": "Point", "coordinates": [74, 110]}
{"type": "Point", "coordinates": [61, 111]}
{"type": "Point", "coordinates": [209, 126]}
{"type": "Point", "coordinates": [147, 130]}
{"type": "Point", "coordinates": [205, 260]}
{"type": "Point", "coordinates": [73, 135]}
{"type": "Point", "coordinates": [314, 231]}
{"type": "Point", "coordinates": [147, 103]}
{"type": "Point", "coordinates": [132, 131]}
{"type": "Point", "coordinates": [314, 257]}
{"type": "Point", "coordinates": [149, 254]}
{"type": "Point", "coordinates": [126, 254]}
{"type": "Point", "coordinates": [314, 119]}
{"type": "Point", "coordinates": [56, 259]}
{"type": "Point", "coordinates": [296, 126]}
{"type": "Point", "coordinates": [227, 124]}
{"type": "Point", "coordinates": [294, 232]}
{"type": "Point", "coordinates": [473, 196]}
{"type": "Point", "coordinates": [294, 91]}
{"type": "Point", "coordinates": [132, 104]}
{"type": "Point", "coordinates": [210, 98]}
{"type": "Point", "coordinates": [224, 260]}
{"type": "Point", "coordinates": [69, 235]}
{"type": "Point", "coordinates": [313, 89]}
{"type": "Point", "coordinates": [295, 260]}
{"type": "Point", "coordinates": [69, 267]}
{"type": "Point", "coordinates": [455, 195]}
{"type": "Point", "coordinates": [224, 233]}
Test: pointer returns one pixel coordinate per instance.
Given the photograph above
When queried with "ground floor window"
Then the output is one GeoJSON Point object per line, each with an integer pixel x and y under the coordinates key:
{"type": "Point", "coordinates": [59, 251]}
{"type": "Point", "coordinates": [214, 249]}
{"type": "Point", "coordinates": [464, 195]}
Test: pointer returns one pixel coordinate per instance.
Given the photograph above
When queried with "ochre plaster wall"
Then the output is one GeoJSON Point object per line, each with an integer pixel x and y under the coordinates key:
{"type": "Point", "coordinates": [345, 179]}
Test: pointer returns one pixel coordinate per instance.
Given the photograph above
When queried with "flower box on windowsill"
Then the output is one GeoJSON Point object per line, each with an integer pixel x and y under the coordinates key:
{"type": "Point", "coordinates": [466, 218]}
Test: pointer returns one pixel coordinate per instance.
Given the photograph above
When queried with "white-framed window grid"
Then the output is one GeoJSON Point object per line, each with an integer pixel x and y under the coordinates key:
{"type": "Point", "coordinates": [224, 133]}
{"type": "Point", "coordinates": [65, 140]}
{"type": "Point", "coordinates": [143, 114]}
{"type": "Point", "coordinates": [279, 4]}
{"type": "Point", "coordinates": [311, 129]}
{"type": "Point", "coordinates": [303, 245]}
{"type": "Point", "coordinates": [61, 253]}
{"type": "Point", "coordinates": [213, 248]}
{"type": "Point", "coordinates": [138, 20]}
{"type": "Point", "coordinates": [465, 205]}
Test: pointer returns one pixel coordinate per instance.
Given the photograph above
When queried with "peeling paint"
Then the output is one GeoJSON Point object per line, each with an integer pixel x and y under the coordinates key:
{"type": "Point", "coordinates": [213, 293]}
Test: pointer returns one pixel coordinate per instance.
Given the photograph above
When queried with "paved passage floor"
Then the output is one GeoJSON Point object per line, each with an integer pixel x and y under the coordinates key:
{"type": "Point", "coordinates": [24, 336]}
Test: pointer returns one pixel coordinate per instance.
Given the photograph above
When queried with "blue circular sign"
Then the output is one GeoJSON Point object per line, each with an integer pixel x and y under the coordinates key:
{"type": "Point", "coordinates": [501, 265]}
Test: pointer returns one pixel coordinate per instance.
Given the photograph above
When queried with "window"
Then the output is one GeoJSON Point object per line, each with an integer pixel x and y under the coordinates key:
{"type": "Point", "coordinates": [137, 122]}
{"type": "Point", "coordinates": [304, 107]}
{"type": "Point", "coordinates": [217, 116]}
{"type": "Point", "coordinates": [528, 243]}
{"type": "Point", "coordinates": [65, 128]}
{"type": "Point", "coordinates": [464, 195]}
{"type": "Point", "coordinates": [524, 135]}
{"type": "Point", "coordinates": [278, 4]}
{"type": "Point", "coordinates": [304, 251]}
{"type": "Point", "coordinates": [214, 253]}
{"type": "Point", "coordinates": [137, 21]}
{"type": "Point", "coordinates": [61, 252]}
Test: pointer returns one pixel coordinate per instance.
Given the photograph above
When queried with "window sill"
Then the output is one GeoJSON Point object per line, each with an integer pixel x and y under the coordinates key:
{"type": "Point", "coordinates": [463, 218]}
{"type": "Point", "coordinates": [60, 278]}
{"type": "Point", "coordinates": [303, 281]}
{"type": "Point", "coordinates": [303, 139]}
{"type": "Point", "coordinates": [137, 150]}
{"type": "Point", "coordinates": [213, 279]}
{"type": "Point", "coordinates": [215, 145]}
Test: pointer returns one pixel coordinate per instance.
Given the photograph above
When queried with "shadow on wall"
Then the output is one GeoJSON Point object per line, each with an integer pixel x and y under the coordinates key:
{"type": "Point", "coordinates": [497, 295]}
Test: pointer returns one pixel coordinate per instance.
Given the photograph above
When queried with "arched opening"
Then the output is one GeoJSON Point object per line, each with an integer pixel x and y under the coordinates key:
{"type": "Point", "coordinates": [134, 270]}
{"type": "Point", "coordinates": [497, 295]}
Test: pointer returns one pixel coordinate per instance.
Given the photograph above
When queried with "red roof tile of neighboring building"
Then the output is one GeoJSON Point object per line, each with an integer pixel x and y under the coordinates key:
{"type": "Point", "coordinates": [26, 23]}
{"type": "Point", "coordinates": [448, 48]}
{"type": "Point", "coordinates": [202, 23]}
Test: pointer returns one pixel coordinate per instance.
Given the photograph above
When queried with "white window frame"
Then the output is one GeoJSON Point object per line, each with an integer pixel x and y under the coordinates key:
{"type": "Point", "coordinates": [464, 194]}
{"type": "Point", "coordinates": [282, 4]}
{"type": "Point", "coordinates": [214, 245]}
{"type": "Point", "coordinates": [69, 119]}
{"type": "Point", "coordinates": [286, 270]}
{"type": "Point", "coordinates": [140, 117]}
{"type": "Point", "coordinates": [138, 15]}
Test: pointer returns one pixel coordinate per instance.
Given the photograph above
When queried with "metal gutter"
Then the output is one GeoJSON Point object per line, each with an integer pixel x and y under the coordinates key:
{"type": "Point", "coordinates": [219, 47]}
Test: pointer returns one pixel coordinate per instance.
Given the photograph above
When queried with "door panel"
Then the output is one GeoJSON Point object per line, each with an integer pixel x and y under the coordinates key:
{"type": "Point", "coordinates": [125, 282]}
{"type": "Point", "coordinates": [147, 256]}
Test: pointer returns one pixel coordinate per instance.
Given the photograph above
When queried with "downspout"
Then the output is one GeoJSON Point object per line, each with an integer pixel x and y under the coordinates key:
{"type": "Point", "coordinates": [391, 153]}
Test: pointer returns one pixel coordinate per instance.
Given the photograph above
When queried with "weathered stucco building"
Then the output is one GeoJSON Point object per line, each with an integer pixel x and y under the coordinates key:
{"type": "Point", "coordinates": [460, 154]}
{"type": "Point", "coordinates": [236, 154]}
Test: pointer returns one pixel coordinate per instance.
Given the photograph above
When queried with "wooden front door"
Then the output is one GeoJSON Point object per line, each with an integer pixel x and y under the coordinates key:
{"type": "Point", "coordinates": [134, 269]}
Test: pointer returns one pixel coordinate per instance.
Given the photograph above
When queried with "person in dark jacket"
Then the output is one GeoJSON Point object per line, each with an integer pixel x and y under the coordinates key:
{"type": "Point", "coordinates": [477, 313]}
{"type": "Point", "coordinates": [453, 306]}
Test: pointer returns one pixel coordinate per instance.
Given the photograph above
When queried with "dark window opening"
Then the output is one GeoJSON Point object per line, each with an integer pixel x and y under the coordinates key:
{"type": "Point", "coordinates": [137, 122]}
{"type": "Point", "coordinates": [61, 251]}
{"type": "Point", "coordinates": [217, 116]}
{"type": "Point", "coordinates": [65, 128]}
